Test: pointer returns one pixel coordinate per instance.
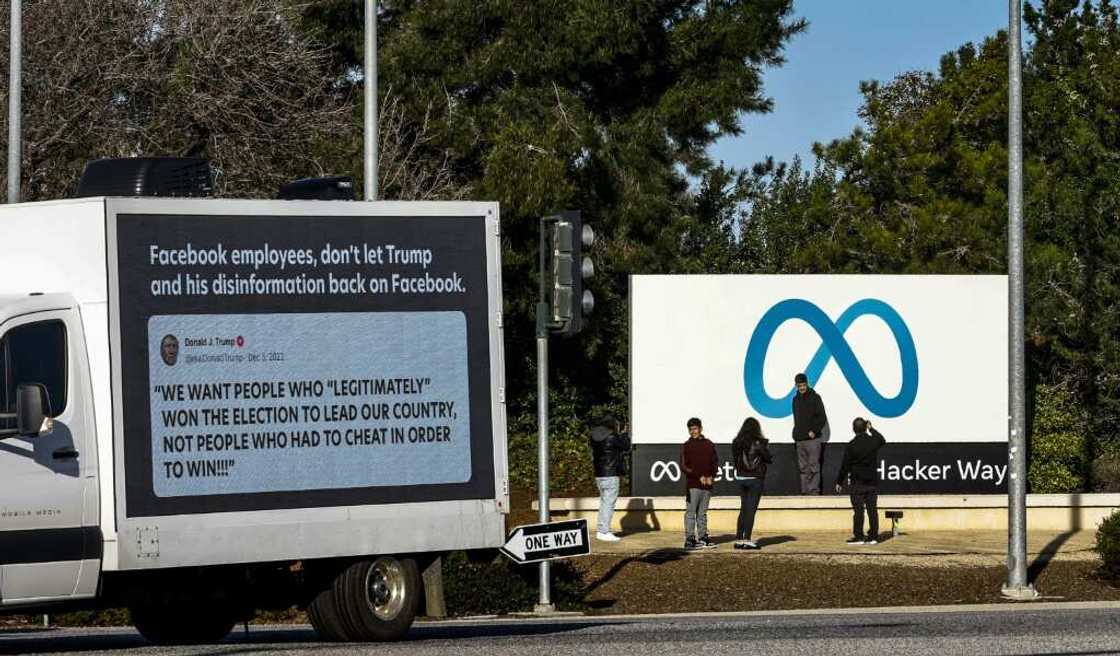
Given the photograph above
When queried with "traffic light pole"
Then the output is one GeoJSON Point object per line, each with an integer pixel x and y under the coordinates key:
{"type": "Point", "coordinates": [545, 604]}
{"type": "Point", "coordinates": [561, 307]}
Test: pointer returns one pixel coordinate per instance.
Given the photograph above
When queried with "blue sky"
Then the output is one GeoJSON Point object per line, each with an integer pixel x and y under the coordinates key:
{"type": "Point", "coordinates": [816, 93]}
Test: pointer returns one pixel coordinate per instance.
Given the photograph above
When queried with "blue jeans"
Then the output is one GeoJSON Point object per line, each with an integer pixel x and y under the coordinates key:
{"type": "Point", "coordinates": [750, 494]}
{"type": "Point", "coordinates": [608, 494]}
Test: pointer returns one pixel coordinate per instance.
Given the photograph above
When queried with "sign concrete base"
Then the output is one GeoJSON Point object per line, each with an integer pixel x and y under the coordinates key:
{"type": "Point", "coordinates": [1048, 512]}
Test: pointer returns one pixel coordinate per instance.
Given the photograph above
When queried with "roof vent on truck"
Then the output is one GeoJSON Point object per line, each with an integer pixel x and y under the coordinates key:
{"type": "Point", "coordinates": [332, 187]}
{"type": "Point", "coordinates": [189, 177]}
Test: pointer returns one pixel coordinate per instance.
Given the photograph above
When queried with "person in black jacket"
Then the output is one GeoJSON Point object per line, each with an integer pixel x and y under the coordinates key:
{"type": "Point", "coordinates": [609, 444]}
{"type": "Point", "coordinates": [751, 454]}
{"type": "Point", "coordinates": [860, 471]}
{"type": "Point", "coordinates": [809, 425]}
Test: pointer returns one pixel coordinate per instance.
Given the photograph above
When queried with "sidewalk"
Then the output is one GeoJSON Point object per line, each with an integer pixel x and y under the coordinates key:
{"type": "Point", "coordinates": [782, 515]}
{"type": "Point", "coordinates": [974, 547]}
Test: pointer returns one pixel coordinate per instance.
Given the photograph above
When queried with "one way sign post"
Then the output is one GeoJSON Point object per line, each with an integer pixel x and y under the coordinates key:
{"type": "Point", "coordinates": [536, 542]}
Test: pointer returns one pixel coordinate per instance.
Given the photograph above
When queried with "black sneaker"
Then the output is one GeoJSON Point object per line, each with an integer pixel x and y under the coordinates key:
{"type": "Point", "coordinates": [690, 544]}
{"type": "Point", "coordinates": [706, 542]}
{"type": "Point", "coordinates": [855, 540]}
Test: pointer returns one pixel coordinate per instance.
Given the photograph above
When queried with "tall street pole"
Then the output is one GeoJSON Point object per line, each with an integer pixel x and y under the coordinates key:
{"type": "Point", "coordinates": [1017, 585]}
{"type": "Point", "coordinates": [370, 145]}
{"type": "Point", "coordinates": [15, 100]}
{"type": "Point", "coordinates": [544, 603]}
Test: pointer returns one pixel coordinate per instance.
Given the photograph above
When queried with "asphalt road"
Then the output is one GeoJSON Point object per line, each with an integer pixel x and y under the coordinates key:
{"type": "Point", "coordinates": [1047, 629]}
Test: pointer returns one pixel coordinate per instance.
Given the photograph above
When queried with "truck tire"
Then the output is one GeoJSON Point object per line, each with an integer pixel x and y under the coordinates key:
{"type": "Point", "coordinates": [378, 599]}
{"type": "Point", "coordinates": [324, 616]}
{"type": "Point", "coordinates": [182, 623]}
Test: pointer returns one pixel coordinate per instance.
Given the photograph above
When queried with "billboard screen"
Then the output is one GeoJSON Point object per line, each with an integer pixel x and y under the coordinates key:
{"type": "Point", "coordinates": [304, 361]}
{"type": "Point", "coordinates": [923, 357]}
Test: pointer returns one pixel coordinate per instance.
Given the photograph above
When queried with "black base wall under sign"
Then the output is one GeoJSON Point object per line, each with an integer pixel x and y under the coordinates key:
{"type": "Point", "coordinates": [912, 468]}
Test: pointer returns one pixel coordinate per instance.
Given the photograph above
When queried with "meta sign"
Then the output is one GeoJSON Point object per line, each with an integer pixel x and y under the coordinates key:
{"type": "Point", "coordinates": [924, 358]}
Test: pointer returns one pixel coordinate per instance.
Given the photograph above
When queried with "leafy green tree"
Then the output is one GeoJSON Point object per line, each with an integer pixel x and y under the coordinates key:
{"type": "Point", "coordinates": [606, 107]}
{"type": "Point", "coordinates": [922, 189]}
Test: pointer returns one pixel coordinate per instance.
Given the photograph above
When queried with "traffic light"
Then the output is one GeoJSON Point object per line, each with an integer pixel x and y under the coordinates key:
{"type": "Point", "coordinates": [565, 268]}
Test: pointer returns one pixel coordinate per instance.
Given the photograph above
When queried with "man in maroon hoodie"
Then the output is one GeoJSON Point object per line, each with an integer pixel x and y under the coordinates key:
{"type": "Point", "coordinates": [699, 463]}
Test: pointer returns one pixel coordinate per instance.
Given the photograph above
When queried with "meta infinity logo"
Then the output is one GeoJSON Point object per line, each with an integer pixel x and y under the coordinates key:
{"type": "Point", "coordinates": [664, 469]}
{"type": "Point", "coordinates": [833, 346]}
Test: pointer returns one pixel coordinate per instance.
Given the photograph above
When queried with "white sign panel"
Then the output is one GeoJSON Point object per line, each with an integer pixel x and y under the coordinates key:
{"type": "Point", "coordinates": [923, 357]}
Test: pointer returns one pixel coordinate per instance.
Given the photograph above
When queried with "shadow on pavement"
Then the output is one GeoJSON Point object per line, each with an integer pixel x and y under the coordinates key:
{"type": "Point", "coordinates": [66, 641]}
{"type": "Point", "coordinates": [656, 557]}
{"type": "Point", "coordinates": [23, 641]}
{"type": "Point", "coordinates": [1046, 555]}
{"type": "Point", "coordinates": [762, 542]}
{"type": "Point", "coordinates": [775, 539]}
{"type": "Point", "coordinates": [1051, 549]}
{"type": "Point", "coordinates": [639, 517]}
{"type": "Point", "coordinates": [509, 628]}
{"type": "Point", "coordinates": [57, 641]}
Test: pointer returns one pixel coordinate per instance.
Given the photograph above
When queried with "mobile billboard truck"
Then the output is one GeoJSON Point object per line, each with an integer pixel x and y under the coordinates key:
{"type": "Point", "coordinates": [212, 406]}
{"type": "Point", "coordinates": [923, 357]}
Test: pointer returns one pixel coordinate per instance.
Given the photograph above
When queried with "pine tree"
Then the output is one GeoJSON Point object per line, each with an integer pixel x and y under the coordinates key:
{"type": "Point", "coordinates": [922, 189]}
{"type": "Point", "coordinates": [606, 107]}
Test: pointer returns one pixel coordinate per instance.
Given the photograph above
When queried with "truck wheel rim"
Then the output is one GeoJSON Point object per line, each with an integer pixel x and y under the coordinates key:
{"type": "Point", "coordinates": [385, 585]}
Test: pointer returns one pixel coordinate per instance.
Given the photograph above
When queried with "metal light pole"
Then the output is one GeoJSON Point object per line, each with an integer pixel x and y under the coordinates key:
{"type": "Point", "coordinates": [370, 145]}
{"type": "Point", "coordinates": [544, 605]}
{"type": "Point", "coordinates": [15, 100]}
{"type": "Point", "coordinates": [1017, 585]}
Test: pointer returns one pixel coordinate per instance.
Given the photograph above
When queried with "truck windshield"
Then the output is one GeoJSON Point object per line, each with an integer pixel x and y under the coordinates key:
{"type": "Point", "coordinates": [33, 353]}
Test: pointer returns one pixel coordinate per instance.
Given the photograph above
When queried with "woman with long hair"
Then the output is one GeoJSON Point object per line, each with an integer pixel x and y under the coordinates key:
{"type": "Point", "coordinates": [751, 453]}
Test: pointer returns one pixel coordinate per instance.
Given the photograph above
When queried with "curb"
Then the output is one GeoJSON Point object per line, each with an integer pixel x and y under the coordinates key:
{"type": "Point", "coordinates": [997, 607]}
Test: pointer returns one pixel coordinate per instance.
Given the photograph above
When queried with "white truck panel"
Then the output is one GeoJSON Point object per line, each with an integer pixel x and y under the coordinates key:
{"type": "Point", "coordinates": [59, 247]}
{"type": "Point", "coordinates": [172, 540]}
{"type": "Point", "coordinates": [185, 540]}
{"type": "Point", "coordinates": [69, 246]}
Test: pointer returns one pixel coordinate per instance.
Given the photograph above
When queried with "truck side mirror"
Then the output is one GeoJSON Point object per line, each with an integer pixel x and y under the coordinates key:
{"type": "Point", "coordinates": [32, 410]}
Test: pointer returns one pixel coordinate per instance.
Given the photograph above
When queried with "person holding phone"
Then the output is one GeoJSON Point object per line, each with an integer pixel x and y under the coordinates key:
{"type": "Point", "coordinates": [859, 471]}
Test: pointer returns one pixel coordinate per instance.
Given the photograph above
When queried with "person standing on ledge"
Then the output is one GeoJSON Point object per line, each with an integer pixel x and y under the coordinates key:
{"type": "Point", "coordinates": [860, 471]}
{"type": "Point", "coordinates": [809, 422]}
{"type": "Point", "coordinates": [699, 463]}
{"type": "Point", "coordinates": [751, 454]}
{"type": "Point", "coordinates": [610, 441]}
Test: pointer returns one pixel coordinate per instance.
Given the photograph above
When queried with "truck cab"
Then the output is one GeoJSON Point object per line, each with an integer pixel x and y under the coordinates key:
{"type": "Point", "coordinates": [50, 543]}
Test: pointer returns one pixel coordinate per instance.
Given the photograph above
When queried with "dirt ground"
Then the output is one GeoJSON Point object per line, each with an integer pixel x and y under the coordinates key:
{"type": "Point", "coordinates": [654, 578]}
{"type": "Point", "coordinates": [670, 580]}
{"type": "Point", "coordinates": [673, 582]}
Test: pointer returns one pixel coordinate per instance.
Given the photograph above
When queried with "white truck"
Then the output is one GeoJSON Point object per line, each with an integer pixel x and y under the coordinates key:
{"type": "Point", "coordinates": [214, 406]}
